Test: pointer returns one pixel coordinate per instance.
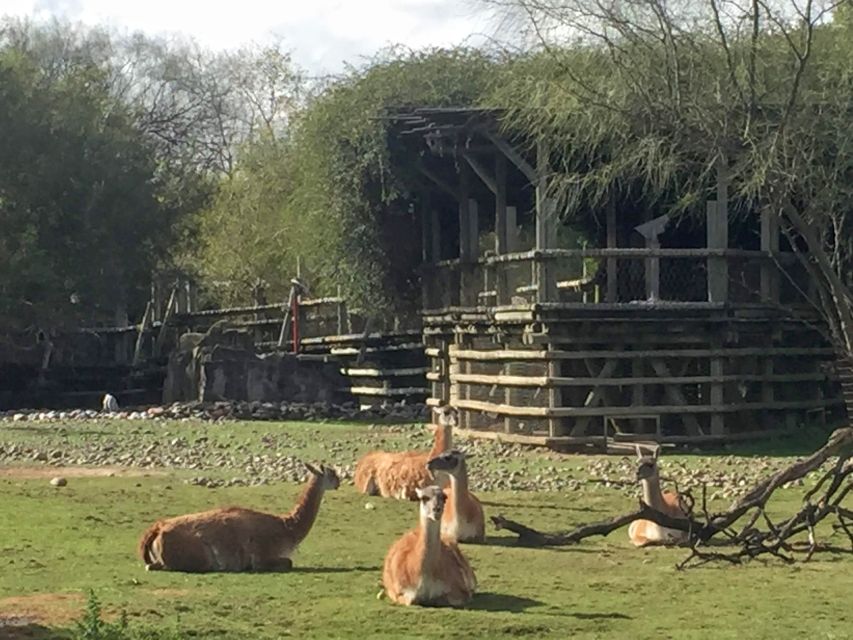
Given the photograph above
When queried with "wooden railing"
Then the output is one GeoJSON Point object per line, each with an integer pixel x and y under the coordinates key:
{"type": "Point", "coordinates": [595, 276]}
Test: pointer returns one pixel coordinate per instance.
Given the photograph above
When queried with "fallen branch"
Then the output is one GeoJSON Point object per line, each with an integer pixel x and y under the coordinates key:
{"type": "Point", "coordinates": [532, 538]}
{"type": "Point", "coordinates": [822, 500]}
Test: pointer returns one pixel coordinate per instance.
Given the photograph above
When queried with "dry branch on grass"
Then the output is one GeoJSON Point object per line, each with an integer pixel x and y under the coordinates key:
{"type": "Point", "coordinates": [776, 538]}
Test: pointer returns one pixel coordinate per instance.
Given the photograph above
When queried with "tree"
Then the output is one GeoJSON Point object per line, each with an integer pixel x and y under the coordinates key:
{"type": "Point", "coordinates": [245, 235]}
{"type": "Point", "coordinates": [351, 194]}
{"type": "Point", "coordinates": [84, 215]}
{"type": "Point", "coordinates": [331, 191]}
{"type": "Point", "coordinates": [671, 92]}
{"type": "Point", "coordinates": [112, 144]}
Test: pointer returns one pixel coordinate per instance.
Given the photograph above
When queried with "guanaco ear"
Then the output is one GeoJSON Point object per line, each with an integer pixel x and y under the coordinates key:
{"type": "Point", "coordinates": [656, 452]}
{"type": "Point", "coordinates": [313, 469]}
{"type": "Point", "coordinates": [639, 452]}
{"type": "Point", "coordinates": [419, 493]}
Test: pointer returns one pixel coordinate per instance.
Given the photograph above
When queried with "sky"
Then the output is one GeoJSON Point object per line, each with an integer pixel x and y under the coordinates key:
{"type": "Point", "coordinates": [322, 34]}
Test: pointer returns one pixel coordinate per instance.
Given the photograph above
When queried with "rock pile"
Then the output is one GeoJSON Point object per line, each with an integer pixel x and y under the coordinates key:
{"type": "Point", "coordinates": [166, 438]}
{"type": "Point", "coordinates": [228, 410]}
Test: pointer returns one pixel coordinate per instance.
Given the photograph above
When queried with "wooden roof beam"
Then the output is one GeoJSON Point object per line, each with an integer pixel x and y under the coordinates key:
{"type": "Point", "coordinates": [481, 172]}
{"type": "Point", "coordinates": [438, 181]}
{"type": "Point", "coordinates": [513, 155]}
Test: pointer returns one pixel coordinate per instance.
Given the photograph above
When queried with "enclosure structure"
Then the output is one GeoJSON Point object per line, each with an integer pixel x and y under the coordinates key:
{"type": "Point", "coordinates": [672, 328]}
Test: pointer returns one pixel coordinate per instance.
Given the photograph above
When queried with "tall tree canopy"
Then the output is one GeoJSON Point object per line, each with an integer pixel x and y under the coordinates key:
{"type": "Point", "coordinates": [111, 144]}
{"type": "Point", "coordinates": [83, 216]}
{"type": "Point", "coordinates": [331, 193]}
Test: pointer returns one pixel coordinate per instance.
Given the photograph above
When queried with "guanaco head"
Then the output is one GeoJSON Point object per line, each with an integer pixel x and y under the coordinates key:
{"type": "Point", "coordinates": [327, 475]}
{"type": "Point", "coordinates": [447, 416]}
{"type": "Point", "coordinates": [647, 466]}
{"type": "Point", "coordinates": [432, 501]}
{"type": "Point", "coordinates": [451, 462]}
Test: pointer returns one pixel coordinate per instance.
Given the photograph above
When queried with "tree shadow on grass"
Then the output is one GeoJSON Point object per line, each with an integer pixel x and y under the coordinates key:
{"type": "Point", "coordinates": [30, 631]}
{"type": "Point", "coordinates": [487, 601]}
{"type": "Point", "coordinates": [612, 615]}
{"type": "Point", "coordinates": [512, 542]}
{"type": "Point", "coordinates": [298, 569]}
{"type": "Point", "coordinates": [534, 506]}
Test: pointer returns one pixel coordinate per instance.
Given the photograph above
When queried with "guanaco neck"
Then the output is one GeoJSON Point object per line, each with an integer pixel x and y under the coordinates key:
{"type": "Point", "coordinates": [443, 441]}
{"type": "Point", "coordinates": [458, 486]}
{"type": "Point", "coordinates": [431, 542]}
{"type": "Point", "coordinates": [301, 517]}
{"type": "Point", "coordinates": [651, 492]}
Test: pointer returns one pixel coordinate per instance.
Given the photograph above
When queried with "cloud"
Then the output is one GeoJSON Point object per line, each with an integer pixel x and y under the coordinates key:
{"type": "Point", "coordinates": [322, 33]}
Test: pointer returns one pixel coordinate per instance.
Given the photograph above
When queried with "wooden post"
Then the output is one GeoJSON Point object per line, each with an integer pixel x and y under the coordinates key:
{"type": "Point", "coordinates": [501, 230]}
{"type": "Point", "coordinates": [473, 230]}
{"type": "Point", "coordinates": [140, 338]}
{"type": "Point", "coordinates": [435, 231]}
{"type": "Point", "coordinates": [653, 271]}
{"type": "Point", "coordinates": [282, 336]}
{"type": "Point", "coordinates": [638, 393]}
{"type": "Point", "coordinates": [717, 226]}
{"type": "Point", "coordinates": [464, 208]}
{"type": "Point", "coordinates": [342, 312]}
{"type": "Point", "coordinates": [167, 316]}
{"type": "Point", "coordinates": [426, 230]}
{"type": "Point", "coordinates": [193, 296]}
{"type": "Point", "coordinates": [545, 225]}
{"type": "Point", "coordinates": [509, 398]}
{"type": "Point", "coordinates": [453, 370]}
{"type": "Point", "coordinates": [555, 395]}
{"type": "Point", "coordinates": [612, 264]}
{"type": "Point", "coordinates": [444, 345]}
{"type": "Point", "coordinates": [472, 282]}
{"type": "Point", "coordinates": [768, 391]}
{"type": "Point", "coordinates": [717, 238]}
{"type": "Point", "coordinates": [428, 255]}
{"type": "Point", "coordinates": [464, 390]}
{"type": "Point", "coordinates": [769, 270]}
{"type": "Point", "coordinates": [511, 229]}
{"type": "Point", "coordinates": [465, 244]}
{"type": "Point", "coordinates": [717, 369]}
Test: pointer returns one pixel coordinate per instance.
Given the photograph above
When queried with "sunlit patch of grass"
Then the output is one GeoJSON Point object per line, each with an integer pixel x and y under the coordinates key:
{"type": "Point", "coordinates": [83, 536]}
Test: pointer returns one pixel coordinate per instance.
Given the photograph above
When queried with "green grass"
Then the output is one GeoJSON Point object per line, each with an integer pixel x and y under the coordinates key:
{"type": "Point", "coordinates": [83, 536]}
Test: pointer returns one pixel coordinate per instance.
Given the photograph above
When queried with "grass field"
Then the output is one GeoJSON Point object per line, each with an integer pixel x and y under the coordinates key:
{"type": "Point", "coordinates": [56, 544]}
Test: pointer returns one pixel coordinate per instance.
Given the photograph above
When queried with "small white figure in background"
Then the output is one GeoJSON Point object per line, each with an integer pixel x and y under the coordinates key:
{"type": "Point", "coordinates": [110, 403]}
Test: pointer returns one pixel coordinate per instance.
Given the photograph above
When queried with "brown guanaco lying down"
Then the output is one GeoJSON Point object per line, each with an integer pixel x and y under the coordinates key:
{"type": "Point", "coordinates": [644, 533]}
{"type": "Point", "coordinates": [393, 474]}
{"type": "Point", "coordinates": [463, 519]}
{"type": "Point", "coordinates": [423, 569]}
{"type": "Point", "coordinates": [234, 538]}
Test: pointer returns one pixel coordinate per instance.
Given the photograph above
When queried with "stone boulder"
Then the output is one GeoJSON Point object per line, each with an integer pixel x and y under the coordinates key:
{"type": "Point", "coordinates": [223, 365]}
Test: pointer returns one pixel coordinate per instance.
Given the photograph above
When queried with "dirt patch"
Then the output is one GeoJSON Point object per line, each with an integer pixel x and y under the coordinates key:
{"type": "Point", "coordinates": [42, 608]}
{"type": "Point", "coordinates": [43, 471]}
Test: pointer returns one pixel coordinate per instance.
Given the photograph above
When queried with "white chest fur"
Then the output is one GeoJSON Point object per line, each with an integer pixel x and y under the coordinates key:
{"type": "Point", "coordinates": [458, 529]}
{"type": "Point", "coordinates": [429, 588]}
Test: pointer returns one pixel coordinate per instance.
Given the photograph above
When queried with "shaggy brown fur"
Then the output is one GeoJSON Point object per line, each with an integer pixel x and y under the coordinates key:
{"type": "Point", "coordinates": [234, 538]}
{"type": "Point", "coordinates": [423, 569]}
{"type": "Point", "coordinates": [463, 519]}
{"type": "Point", "coordinates": [398, 474]}
{"type": "Point", "coordinates": [643, 533]}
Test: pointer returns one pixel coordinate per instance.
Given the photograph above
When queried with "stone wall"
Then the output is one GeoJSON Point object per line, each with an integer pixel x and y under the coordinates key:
{"type": "Point", "coordinates": [224, 366]}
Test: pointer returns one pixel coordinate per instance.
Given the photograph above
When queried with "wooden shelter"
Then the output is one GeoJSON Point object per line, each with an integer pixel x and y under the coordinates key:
{"type": "Point", "coordinates": [672, 329]}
